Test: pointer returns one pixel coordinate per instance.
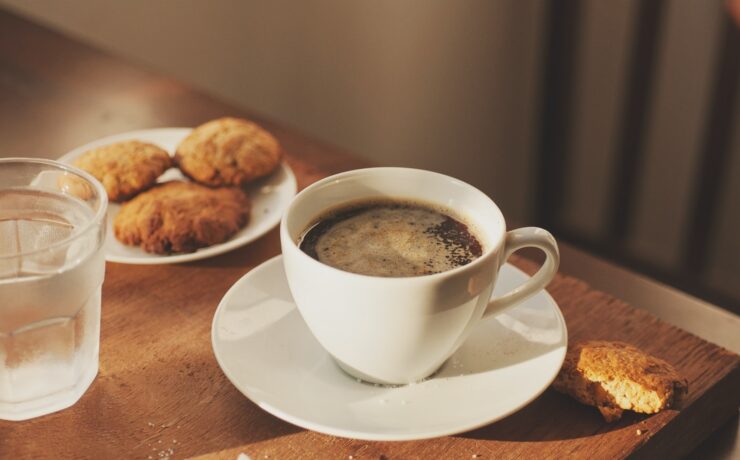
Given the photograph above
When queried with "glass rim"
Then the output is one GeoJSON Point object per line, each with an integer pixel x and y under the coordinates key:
{"type": "Point", "coordinates": [100, 214]}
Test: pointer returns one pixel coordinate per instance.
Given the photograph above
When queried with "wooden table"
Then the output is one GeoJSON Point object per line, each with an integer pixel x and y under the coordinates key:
{"type": "Point", "coordinates": [160, 391]}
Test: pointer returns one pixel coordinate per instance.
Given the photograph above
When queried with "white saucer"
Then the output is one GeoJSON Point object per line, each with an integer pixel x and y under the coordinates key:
{"type": "Point", "coordinates": [266, 350]}
{"type": "Point", "coordinates": [270, 197]}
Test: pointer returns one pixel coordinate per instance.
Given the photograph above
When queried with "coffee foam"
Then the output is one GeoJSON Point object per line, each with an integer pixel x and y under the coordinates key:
{"type": "Point", "coordinates": [396, 240]}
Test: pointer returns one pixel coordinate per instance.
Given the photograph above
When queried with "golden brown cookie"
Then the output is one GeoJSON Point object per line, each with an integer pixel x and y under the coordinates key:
{"type": "Point", "coordinates": [181, 217]}
{"type": "Point", "coordinates": [125, 168]}
{"type": "Point", "coordinates": [228, 151]}
{"type": "Point", "coordinates": [615, 376]}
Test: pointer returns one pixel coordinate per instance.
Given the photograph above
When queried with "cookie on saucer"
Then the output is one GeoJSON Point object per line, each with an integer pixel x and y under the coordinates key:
{"type": "Point", "coordinates": [228, 151]}
{"type": "Point", "coordinates": [615, 376]}
{"type": "Point", "coordinates": [178, 216]}
{"type": "Point", "coordinates": [125, 168]}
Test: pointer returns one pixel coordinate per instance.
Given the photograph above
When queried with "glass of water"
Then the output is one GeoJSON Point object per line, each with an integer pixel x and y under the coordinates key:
{"type": "Point", "coordinates": [52, 229]}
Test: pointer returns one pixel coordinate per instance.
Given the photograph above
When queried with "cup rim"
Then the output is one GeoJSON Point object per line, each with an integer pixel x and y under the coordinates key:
{"type": "Point", "coordinates": [487, 253]}
{"type": "Point", "coordinates": [100, 214]}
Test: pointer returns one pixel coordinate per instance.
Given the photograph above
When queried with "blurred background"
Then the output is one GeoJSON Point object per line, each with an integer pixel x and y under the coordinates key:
{"type": "Point", "coordinates": [613, 124]}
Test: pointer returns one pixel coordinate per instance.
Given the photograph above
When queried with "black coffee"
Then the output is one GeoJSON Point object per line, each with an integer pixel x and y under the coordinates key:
{"type": "Point", "coordinates": [391, 238]}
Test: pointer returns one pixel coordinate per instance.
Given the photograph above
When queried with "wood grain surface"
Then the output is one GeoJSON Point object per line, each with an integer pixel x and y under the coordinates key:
{"type": "Point", "coordinates": [160, 392]}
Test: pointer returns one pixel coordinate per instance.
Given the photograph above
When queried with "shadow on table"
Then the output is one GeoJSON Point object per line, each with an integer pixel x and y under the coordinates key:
{"type": "Point", "coordinates": [553, 417]}
{"type": "Point", "coordinates": [721, 444]}
{"type": "Point", "coordinates": [192, 401]}
{"type": "Point", "coordinates": [248, 256]}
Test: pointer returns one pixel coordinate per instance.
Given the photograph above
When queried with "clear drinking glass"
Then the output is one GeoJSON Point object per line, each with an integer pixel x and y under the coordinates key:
{"type": "Point", "coordinates": [52, 229]}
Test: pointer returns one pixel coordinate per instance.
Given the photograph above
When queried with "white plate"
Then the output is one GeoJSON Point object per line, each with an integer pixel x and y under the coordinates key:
{"type": "Point", "coordinates": [270, 197]}
{"type": "Point", "coordinates": [266, 350]}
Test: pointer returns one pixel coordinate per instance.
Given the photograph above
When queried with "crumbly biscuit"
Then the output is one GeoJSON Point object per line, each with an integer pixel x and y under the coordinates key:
{"type": "Point", "coordinates": [615, 376]}
{"type": "Point", "coordinates": [125, 168]}
{"type": "Point", "coordinates": [228, 151]}
{"type": "Point", "coordinates": [181, 216]}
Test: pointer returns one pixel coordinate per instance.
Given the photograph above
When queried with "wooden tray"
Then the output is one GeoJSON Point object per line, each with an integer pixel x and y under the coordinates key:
{"type": "Point", "coordinates": [160, 392]}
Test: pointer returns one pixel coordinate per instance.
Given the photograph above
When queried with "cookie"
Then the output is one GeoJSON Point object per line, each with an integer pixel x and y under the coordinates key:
{"type": "Point", "coordinates": [615, 376]}
{"type": "Point", "coordinates": [125, 168]}
{"type": "Point", "coordinates": [228, 151]}
{"type": "Point", "coordinates": [181, 216]}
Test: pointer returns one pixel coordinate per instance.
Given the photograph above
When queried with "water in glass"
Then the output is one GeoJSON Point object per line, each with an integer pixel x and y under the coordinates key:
{"type": "Point", "coordinates": [49, 301]}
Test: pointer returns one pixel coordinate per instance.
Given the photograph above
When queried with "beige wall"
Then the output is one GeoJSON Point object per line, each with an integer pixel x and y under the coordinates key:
{"type": "Point", "coordinates": [449, 86]}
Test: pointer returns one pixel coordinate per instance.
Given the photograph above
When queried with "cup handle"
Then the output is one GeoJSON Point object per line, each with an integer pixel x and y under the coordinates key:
{"type": "Point", "coordinates": [523, 238]}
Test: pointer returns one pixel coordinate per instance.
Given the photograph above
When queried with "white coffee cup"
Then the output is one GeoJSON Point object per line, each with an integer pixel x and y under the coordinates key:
{"type": "Point", "coordinates": [401, 330]}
